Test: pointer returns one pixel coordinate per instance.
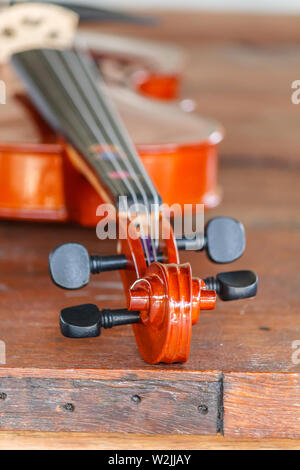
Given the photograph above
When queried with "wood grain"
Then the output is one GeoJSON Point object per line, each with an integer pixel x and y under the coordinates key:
{"type": "Point", "coordinates": [262, 405]}
{"type": "Point", "coordinates": [93, 441]}
{"type": "Point", "coordinates": [126, 405]}
{"type": "Point", "coordinates": [239, 69]}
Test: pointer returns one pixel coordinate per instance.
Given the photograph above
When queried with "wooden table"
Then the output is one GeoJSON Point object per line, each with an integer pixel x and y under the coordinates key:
{"type": "Point", "coordinates": [239, 69]}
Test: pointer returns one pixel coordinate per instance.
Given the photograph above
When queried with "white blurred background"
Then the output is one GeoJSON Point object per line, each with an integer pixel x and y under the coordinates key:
{"type": "Point", "coordinates": [255, 6]}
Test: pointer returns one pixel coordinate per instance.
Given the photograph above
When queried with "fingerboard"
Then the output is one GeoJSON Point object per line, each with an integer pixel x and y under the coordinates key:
{"type": "Point", "coordinates": [69, 92]}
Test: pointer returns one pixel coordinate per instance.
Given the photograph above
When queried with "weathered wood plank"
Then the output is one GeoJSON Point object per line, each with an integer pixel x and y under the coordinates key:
{"type": "Point", "coordinates": [262, 405]}
{"type": "Point", "coordinates": [129, 406]}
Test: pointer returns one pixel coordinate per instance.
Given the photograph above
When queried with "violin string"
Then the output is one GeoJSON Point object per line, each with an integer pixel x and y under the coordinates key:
{"type": "Point", "coordinates": [53, 96]}
{"type": "Point", "coordinates": [56, 62]}
{"type": "Point", "coordinates": [95, 129]}
{"type": "Point", "coordinates": [92, 98]}
{"type": "Point", "coordinates": [79, 129]}
{"type": "Point", "coordinates": [97, 133]}
{"type": "Point", "coordinates": [123, 134]}
{"type": "Point", "coordinates": [125, 141]}
{"type": "Point", "coordinates": [115, 127]}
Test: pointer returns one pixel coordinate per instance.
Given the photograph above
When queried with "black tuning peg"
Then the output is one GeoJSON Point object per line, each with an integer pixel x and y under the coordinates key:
{"type": "Point", "coordinates": [86, 321]}
{"type": "Point", "coordinates": [233, 285]}
{"type": "Point", "coordinates": [224, 240]}
{"type": "Point", "coordinates": [71, 266]}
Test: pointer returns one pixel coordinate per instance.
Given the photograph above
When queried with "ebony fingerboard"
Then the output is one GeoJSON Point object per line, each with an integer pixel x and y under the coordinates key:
{"type": "Point", "coordinates": [70, 94]}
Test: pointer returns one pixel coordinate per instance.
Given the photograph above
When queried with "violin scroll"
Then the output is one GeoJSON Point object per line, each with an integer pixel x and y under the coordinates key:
{"type": "Point", "coordinates": [164, 300]}
{"type": "Point", "coordinates": [161, 321]}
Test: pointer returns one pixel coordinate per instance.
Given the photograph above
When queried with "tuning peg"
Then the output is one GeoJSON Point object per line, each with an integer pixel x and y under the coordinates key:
{"type": "Point", "coordinates": [71, 266]}
{"type": "Point", "coordinates": [233, 285]}
{"type": "Point", "coordinates": [224, 240]}
{"type": "Point", "coordinates": [86, 321]}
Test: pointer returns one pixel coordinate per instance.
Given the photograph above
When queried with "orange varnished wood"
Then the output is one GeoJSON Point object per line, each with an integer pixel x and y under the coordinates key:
{"type": "Point", "coordinates": [32, 185]}
{"type": "Point", "coordinates": [164, 333]}
{"type": "Point", "coordinates": [169, 300]}
{"type": "Point", "coordinates": [167, 296]}
{"type": "Point", "coordinates": [164, 87]}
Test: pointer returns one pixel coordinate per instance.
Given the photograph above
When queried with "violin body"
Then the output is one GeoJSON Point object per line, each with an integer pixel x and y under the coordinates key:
{"type": "Point", "coordinates": [37, 180]}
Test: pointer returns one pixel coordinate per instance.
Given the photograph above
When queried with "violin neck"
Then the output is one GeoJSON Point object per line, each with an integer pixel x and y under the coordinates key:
{"type": "Point", "coordinates": [69, 92]}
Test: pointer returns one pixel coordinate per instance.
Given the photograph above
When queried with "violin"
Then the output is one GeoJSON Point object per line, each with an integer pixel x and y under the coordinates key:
{"type": "Point", "coordinates": [135, 71]}
{"type": "Point", "coordinates": [164, 300]}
